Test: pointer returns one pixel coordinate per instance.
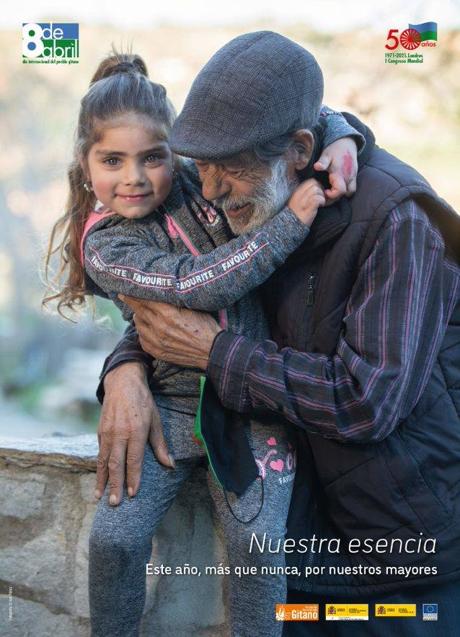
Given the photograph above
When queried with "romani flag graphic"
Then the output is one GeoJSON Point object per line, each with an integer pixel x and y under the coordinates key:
{"type": "Point", "coordinates": [427, 30]}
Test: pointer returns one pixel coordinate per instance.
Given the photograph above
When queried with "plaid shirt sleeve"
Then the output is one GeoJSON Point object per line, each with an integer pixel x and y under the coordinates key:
{"type": "Point", "coordinates": [127, 350]}
{"type": "Point", "coordinates": [393, 328]}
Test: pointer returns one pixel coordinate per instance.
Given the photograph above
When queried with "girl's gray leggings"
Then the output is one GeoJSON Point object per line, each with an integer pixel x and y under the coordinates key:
{"type": "Point", "coordinates": [120, 542]}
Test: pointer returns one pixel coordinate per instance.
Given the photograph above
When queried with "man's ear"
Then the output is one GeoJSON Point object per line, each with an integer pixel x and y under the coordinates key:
{"type": "Point", "coordinates": [302, 148]}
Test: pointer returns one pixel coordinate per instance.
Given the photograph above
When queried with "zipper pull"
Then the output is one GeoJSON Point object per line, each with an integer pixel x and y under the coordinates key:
{"type": "Point", "coordinates": [311, 288]}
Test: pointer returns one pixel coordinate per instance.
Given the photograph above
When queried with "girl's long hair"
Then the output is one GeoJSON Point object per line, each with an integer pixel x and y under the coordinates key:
{"type": "Point", "coordinates": [119, 86]}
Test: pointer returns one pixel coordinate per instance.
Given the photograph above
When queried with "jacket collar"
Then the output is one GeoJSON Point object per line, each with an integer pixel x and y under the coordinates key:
{"type": "Point", "coordinates": [331, 221]}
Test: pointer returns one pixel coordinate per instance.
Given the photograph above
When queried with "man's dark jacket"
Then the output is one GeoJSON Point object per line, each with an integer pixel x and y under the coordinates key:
{"type": "Point", "coordinates": [407, 485]}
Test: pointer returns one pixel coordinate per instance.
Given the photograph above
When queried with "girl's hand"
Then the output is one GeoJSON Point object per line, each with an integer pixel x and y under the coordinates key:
{"type": "Point", "coordinates": [340, 159]}
{"type": "Point", "coordinates": [306, 199]}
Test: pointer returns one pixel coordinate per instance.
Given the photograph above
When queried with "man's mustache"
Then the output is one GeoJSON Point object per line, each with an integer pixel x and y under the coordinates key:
{"type": "Point", "coordinates": [228, 203]}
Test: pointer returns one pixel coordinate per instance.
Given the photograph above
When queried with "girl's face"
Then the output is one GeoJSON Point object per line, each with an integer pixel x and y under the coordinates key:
{"type": "Point", "coordinates": [130, 167]}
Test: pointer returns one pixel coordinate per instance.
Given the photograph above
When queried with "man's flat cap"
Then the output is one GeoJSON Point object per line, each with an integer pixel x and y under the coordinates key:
{"type": "Point", "coordinates": [255, 88]}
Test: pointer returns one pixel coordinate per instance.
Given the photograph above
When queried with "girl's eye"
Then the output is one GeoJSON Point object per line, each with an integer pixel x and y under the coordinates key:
{"type": "Point", "coordinates": [152, 158]}
{"type": "Point", "coordinates": [111, 161]}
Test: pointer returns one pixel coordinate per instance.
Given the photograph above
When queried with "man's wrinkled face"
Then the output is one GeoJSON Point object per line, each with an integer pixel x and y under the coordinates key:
{"type": "Point", "coordinates": [247, 190]}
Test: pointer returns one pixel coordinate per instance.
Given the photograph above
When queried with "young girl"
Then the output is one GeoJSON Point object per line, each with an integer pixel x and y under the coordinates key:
{"type": "Point", "coordinates": [137, 224]}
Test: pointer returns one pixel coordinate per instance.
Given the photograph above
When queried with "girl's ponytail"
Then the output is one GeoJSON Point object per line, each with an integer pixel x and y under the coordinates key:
{"type": "Point", "coordinates": [120, 63]}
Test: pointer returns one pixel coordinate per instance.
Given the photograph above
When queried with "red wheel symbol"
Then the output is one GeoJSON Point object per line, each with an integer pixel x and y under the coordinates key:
{"type": "Point", "coordinates": [410, 39]}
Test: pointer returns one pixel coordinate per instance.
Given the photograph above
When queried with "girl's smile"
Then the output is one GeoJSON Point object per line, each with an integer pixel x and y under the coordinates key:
{"type": "Point", "coordinates": [134, 198]}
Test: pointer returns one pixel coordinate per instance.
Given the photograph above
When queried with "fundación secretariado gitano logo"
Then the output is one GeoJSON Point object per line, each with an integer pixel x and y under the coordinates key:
{"type": "Point", "coordinates": [411, 40]}
{"type": "Point", "coordinates": [50, 43]}
{"type": "Point", "coordinates": [297, 612]}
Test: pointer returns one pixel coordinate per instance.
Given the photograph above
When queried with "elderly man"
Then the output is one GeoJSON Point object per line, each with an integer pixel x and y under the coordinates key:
{"type": "Point", "coordinates": [365, 351]}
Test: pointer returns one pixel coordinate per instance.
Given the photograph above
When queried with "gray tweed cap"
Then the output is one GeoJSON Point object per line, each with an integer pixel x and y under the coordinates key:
{"type": "Point", "coordinates": [255, 88]}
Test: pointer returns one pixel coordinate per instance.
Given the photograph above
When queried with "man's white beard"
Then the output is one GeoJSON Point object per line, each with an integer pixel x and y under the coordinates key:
{"type": "Point", "coordinates": [269, 198]}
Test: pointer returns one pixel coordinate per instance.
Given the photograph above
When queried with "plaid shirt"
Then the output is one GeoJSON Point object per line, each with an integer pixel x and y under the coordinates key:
{"type": "Point", "coordinates": [394, 324]}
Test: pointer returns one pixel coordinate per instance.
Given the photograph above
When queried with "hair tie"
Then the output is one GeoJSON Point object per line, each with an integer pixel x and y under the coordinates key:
{"type": "Point", "coordinates": [123, 67]}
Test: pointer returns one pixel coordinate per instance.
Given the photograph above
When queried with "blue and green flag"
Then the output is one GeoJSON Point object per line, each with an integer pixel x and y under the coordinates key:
{"type": "Point", "coordinates": [427, 30]}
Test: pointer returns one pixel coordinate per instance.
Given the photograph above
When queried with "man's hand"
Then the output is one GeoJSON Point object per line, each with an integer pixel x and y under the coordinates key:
{"type": "Point", "coordinates": [172, 334]}
{"type": "Point", "coordinates": [340, 159]}
{"type": "Point", "coordinates": [129, 417]}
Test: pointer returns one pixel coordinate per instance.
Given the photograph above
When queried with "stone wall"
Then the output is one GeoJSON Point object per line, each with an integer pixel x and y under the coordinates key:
{"type": "Point", "coordinates": [46, 509]}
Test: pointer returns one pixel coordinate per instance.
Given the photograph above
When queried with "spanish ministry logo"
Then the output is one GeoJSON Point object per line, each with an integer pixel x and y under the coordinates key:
{"type": "Point", "coordinates": [347, 612]}
{"type": "Point", "coordinates": [411, 41]}
{"type": "Point", "coordinates": [50, 43]}
{"type": "Point", "coordinates": [396, 610]}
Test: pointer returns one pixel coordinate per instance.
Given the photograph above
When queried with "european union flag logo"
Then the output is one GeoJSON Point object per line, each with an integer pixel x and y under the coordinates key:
{"type": "Point", "coordinates": [430, 612]}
